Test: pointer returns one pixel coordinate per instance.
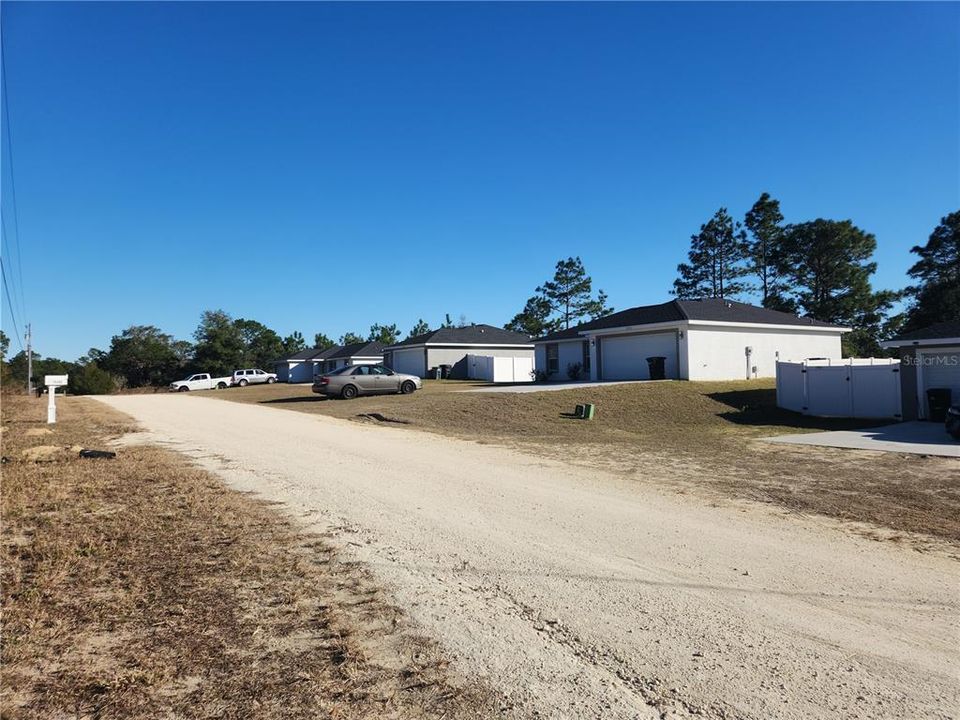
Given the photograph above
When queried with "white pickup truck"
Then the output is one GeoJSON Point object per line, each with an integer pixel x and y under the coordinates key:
{"type": "Point", "coordinates": [200, 381]}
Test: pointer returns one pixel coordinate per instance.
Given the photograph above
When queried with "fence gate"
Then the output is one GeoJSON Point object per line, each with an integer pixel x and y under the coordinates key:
{"type": "Point", "coordinates": [856, 388]}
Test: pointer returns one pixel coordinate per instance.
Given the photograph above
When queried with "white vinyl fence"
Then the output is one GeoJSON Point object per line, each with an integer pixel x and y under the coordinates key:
{"type": "Point", "coordinates": [499, 369]}
{"type": "Point", "coordinates": [855, 387]}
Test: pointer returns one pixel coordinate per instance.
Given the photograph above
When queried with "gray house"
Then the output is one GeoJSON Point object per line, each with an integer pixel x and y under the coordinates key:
{"type": "Point", "coordinates": [422, 355]}
{"type": "Point", "coordinates": [297, 368]}
{"type": "Point", "coordinates": [361, 353]}
{"type": "Point", "coordinates": [302, 366]}
{"type": "Point", "coordinates": [929, 359]}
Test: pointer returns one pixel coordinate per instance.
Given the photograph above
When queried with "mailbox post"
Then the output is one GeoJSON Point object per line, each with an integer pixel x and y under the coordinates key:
{"type": "Point", "coordinates": [53, 382]}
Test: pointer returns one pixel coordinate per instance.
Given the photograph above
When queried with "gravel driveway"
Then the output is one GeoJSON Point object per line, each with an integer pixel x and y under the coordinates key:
{"type": "Point", "coordinates": [580, 595]}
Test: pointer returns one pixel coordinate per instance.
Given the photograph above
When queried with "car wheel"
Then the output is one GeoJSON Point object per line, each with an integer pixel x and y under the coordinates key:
{"type": "Point", "coordinates": [349, 392]}
{"type": "Point", "coordinates": [271, 381]}
{"type": "Point", "coordinates": [221, 386]}
{"type": "Point", "coordinates": [408, 387]}
{"type": "Point", "coordinates": [242, 383]}
{"type": "Point", "coordinates": [183, 388]}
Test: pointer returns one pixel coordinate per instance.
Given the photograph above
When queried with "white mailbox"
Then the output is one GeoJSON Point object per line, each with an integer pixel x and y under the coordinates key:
{"type": "Point", "coordinates": [53, 382]}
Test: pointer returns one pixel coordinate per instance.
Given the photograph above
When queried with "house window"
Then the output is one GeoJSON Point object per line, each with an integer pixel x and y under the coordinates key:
{"type": "Point", "coordinates": [586, 358]}
{"type": "Point", "coordinates": [553, 359]}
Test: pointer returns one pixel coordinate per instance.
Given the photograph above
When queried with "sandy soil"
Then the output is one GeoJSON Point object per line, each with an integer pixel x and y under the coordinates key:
{"type": "Point", "coordinates": [578, 594]}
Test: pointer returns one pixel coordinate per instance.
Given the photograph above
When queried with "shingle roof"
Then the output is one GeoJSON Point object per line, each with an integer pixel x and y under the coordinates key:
{"type": "Point", "coordinates": [939, 331]}
{"type": "Point", "coordinates": [468, 335]}
{"type": "Point", "coordinates": [718, 309]}
{"type": "Point", "coordinates": [709, 309]}
{"type": "Point", "coordinates": [324, 354]}
{"type": "Point", "coordinates": [360, 349]}
{"type": "Point", "coordinates": [302, 355]}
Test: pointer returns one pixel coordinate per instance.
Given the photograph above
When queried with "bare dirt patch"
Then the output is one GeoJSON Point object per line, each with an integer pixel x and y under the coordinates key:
{"type": "Point", "coordinates": [693, 436]}
{"type": "Point", "coordinates": [140, 587]}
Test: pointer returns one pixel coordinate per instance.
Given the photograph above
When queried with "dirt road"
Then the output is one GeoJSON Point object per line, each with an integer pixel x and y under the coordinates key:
{"type": "Point", "coordinates": [580, 595]}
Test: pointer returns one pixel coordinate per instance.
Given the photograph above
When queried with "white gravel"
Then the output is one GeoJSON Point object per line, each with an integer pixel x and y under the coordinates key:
{"type": "Point", "coordinates": [581, 595]}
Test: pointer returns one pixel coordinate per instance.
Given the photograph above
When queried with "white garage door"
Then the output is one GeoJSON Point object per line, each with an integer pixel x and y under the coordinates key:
{"type": "Point", "coordinates": [940, 369]}
{"type": "Point", "coordinates": [625, 357]}
{"type": "Point", "coordinates": [409, 361]}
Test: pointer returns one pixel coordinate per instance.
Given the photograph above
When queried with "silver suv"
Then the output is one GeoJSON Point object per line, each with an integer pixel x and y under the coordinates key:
{"type": "Point", "coordinates": [252, 377]}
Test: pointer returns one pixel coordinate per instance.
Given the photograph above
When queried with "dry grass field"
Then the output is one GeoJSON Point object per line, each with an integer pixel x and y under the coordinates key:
{"type": "Point", "coordinates": [140, 587]}
{"type": "Point", "coordinates": [691, 436]}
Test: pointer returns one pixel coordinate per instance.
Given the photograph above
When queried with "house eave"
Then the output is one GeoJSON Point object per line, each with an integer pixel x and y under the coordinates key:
{"type": "Point", "coordinates": [506, 346]}
{"type": "Point", "coordinates": [694, 324]}
{"type": "Point", "coordinates": [920, 343]}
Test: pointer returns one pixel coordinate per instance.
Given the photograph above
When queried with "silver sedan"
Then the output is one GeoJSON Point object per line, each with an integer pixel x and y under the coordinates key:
{"type": "Point", "coordinates": [348, 382]}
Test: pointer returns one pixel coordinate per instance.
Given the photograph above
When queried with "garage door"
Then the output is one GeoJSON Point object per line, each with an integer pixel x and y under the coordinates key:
{"type": "Point", "coordinates": [409, 361]}
{"type": "Point", "coordinates": [625, 357]}
{"type": "Point", "coordinates": [301, 372]}
{"type": "Point", "coordinates": [940, 370]}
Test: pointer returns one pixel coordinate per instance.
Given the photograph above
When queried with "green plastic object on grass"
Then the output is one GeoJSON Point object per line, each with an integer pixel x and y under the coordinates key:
{"type": "Point", "coordinates": [588, 411]}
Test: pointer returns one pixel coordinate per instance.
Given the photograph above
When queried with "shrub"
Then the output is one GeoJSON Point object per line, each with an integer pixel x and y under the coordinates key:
{"type": "Point", "coordinates": [91, 379]}
{"type": "Point", "coordinates": [574, 371]}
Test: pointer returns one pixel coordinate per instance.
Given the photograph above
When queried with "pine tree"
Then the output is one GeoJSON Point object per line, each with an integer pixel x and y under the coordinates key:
{"type": "Point", "coordinates": [294, 343]}
{"type": "Point", "coordinates": [763, 221]}
{"type": "Point", "coordinates": [534, 320]}
{"type": "Point", "coordinates": [715, 262]}
{"type": "Point", "coordinates": [936, 295]}
{"type": "Point", "coordinates": [829, 265]}
{"type": "Point", "coordinates": [322, 342]}
{"type": "Point", "coordinates": [350, 338]}
{"type": "Point", "coordinates": [421, 328]}
{"type": "Point", "coordinates": [383, 334]}
{"type": "Point", "coordinates": [569, 294]}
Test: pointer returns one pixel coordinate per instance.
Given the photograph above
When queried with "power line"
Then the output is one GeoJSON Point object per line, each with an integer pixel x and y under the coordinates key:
{"type": "Point", "coordinates": [6, 289]}
{"type": "Point", "coordinates": [13, 186]}
{"type": "Point", "coordinates": [5, 247]}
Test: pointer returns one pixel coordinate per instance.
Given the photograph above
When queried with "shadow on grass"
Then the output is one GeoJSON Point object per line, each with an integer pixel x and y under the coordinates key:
{"type": "Point", "coordinates": [285, 401]}
{"type": "Point", "coordinates": [758, 407]}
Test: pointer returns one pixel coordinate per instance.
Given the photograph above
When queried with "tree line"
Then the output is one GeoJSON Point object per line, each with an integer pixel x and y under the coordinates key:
{"type": "Point", "coordinates": [144, 355]}
{"type": "Point", "coordinates": [819, 269]}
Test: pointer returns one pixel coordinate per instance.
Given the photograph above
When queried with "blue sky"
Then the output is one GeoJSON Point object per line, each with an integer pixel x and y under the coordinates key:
{"type": "Point", "coordinates": [321, 167]}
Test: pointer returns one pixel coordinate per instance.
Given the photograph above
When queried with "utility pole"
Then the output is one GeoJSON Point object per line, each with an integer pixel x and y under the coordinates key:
{"type": "Point", "coordinates": [29, 361]}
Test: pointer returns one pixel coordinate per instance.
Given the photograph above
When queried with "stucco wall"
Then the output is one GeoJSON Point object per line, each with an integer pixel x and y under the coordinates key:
{"type": "Point", "coordinates": [718, 353]}
{"type": "Point", "coordinates": [456, 356]}
{"type": "Point", "coordinates": [568, 353]}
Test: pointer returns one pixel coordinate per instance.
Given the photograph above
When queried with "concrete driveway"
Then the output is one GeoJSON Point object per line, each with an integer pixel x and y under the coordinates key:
{"type": "Point", "coordinates": [920, 438]}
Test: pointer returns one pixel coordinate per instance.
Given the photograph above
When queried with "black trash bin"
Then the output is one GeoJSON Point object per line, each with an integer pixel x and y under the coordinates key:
{"type": "Point", "coordinates": [938, 402]}
{"type": "Point", "coordinates": [657, 367]}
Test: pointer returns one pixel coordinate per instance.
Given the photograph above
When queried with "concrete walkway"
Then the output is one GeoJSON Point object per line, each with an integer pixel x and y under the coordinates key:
{"type": "Point", "coordinates": [919, 438]}
{"type": "Point", "coordinates": [548, 387]}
